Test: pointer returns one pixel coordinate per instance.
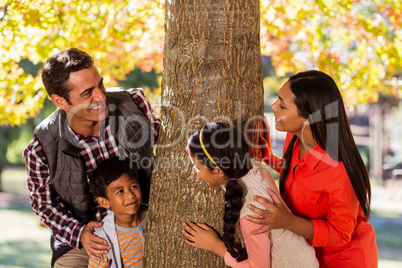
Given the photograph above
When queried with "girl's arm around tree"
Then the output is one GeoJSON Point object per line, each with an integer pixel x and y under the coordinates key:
{"type": "Point", "coordinates": [204, 237]}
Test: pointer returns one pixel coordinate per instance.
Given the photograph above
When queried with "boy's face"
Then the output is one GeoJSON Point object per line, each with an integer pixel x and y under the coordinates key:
{"type": "Point", "coordinates": [123, 196]}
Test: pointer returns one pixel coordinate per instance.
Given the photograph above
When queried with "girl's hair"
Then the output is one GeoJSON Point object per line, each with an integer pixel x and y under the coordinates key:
{"type": "Point", "coordinates": [318, 99]}
{"type": "Point", "coordinates": [109, 171]}
{"type": "Point", "coordinates": [229, 150]}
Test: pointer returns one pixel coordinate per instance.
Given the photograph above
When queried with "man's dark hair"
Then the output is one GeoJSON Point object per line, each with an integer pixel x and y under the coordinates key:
{"type": "Point", "coordinates": [109, 171]}
{"type": "Point", "coordinates": [56, 71]}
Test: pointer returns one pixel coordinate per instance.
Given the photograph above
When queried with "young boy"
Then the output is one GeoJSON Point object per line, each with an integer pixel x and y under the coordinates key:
{"type": "Point", "coordinates": [116, 184]}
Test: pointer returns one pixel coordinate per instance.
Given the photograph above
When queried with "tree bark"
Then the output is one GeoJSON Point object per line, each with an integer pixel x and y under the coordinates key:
{"type": "Point", "coordinates": [212, 70]}
{"type": "Point", "coordinates": [1, 172]}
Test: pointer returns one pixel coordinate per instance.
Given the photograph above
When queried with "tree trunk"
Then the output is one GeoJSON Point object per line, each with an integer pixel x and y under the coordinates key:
{"type": "Point", "coordinates": [1, 172]}
{"type": "Point", "coordinates": [212, 69]}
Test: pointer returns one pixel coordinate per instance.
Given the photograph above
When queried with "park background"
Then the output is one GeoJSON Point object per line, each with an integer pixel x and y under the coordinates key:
{"type": "Point", "coordinates": [359, 43]}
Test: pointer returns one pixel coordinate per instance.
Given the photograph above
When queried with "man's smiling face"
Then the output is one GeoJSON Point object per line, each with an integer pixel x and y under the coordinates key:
{"type": "Point", "coordinates": [87, 98]}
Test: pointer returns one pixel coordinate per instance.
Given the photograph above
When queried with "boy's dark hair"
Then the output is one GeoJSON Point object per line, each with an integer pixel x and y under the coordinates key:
{"type": "Point", "coordinates": [56, 71]}
{"type": "Point", "coordinates": [109, 171]}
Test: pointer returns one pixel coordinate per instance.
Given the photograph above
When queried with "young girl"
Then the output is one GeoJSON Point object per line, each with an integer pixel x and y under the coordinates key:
{"type": "Point", "coordinates": [323, 179]}
{"type": "Point", "coordinates": [220, 156]}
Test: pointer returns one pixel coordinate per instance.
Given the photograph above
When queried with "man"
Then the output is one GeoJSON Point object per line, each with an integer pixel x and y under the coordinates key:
{"type": "Point", "coordinates": [89, 126]}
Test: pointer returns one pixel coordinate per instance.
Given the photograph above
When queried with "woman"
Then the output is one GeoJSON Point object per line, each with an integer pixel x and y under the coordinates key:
{"type": "Point", "coordinates": [323, 179]}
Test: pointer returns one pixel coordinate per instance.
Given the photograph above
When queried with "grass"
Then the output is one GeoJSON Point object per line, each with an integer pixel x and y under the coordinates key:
{"type": "Point", "coordinates": [13, 181]}
{"type": "Point", "coordinates": [388, 227]}
{"type": "Point", "coordinates": [24, 243]}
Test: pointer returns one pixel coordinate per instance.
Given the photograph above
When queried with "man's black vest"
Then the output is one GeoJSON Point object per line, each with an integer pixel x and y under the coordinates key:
{"type": "Point", "coordinates": [131, 130]}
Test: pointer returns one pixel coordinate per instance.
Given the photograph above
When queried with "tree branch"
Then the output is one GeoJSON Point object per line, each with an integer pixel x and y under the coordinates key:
{"type": "Point", "coordinates": [5, 9]}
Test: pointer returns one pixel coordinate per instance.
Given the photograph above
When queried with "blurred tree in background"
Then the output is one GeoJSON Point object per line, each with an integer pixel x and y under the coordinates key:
{"type": "Point", "coordinates": [393, 127]}
{"type": "Point", "coordinates": [359, 43]}
{"type": "Point", "coordinates": [124, 37]}
{"type": "Point", "coordinates": [118, 34]}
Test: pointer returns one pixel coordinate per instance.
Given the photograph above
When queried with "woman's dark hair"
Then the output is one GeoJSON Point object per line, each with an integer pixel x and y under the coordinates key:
{"type": "Point", "coordinates": [229, 150]}
{"type": "Point", "coordinates": [109, 171]}
{"type": "Point", "coordinates": [56, 71]}
{"type": "Point", "coordinates": [318, 99]}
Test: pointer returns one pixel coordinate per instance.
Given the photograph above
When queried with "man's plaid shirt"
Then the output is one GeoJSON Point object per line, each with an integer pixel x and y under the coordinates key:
{"type": "Point", "coordinates": [93, 150]}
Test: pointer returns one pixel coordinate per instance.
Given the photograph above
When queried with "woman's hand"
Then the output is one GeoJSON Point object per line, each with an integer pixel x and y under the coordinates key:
{"type": "Point", "coordinates": [265, 152]}
{"type": "Point", "coordinates": [202, 236]}
{"type": "Point", "coordinates": [264, 141]}
{"type": "Point", "coordinates": [275, 216]}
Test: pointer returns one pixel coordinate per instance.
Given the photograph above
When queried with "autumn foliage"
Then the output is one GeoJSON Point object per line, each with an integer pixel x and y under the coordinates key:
{"type": "Point", "coordinates": [118, 34]}
{"type": "Point", "coordinates": [359, 43]}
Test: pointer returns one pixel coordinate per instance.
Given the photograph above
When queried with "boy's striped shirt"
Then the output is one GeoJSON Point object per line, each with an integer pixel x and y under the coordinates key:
{"type": "Point", "coordinates": [131, 244]}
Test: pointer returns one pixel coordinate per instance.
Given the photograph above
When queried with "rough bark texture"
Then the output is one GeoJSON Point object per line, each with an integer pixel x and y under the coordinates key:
{"type": "Point", "coordinates": [212, 69]}
{"type": "Point", "coordinates": [1, 172]}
